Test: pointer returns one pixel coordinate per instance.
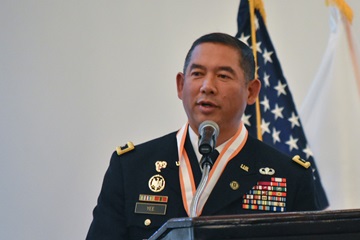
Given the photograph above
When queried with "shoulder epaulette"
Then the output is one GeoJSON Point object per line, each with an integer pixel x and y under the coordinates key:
{"type": "Point", "coordinates": [129, 146]}
{"type": "Point", "coordinates": [301, 162]}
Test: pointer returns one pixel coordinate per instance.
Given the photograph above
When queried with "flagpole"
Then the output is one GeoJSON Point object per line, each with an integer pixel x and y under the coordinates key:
{"type": "Point", "coordinates": [253, 44]}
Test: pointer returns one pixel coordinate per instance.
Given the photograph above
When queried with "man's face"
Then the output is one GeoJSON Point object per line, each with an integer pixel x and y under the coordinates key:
{"type": "Point", "coordinates": [214, 87]}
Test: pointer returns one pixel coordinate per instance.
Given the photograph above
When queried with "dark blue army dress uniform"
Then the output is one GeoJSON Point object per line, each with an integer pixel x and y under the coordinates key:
{"type": "Point", "coordinates": [141, 188]}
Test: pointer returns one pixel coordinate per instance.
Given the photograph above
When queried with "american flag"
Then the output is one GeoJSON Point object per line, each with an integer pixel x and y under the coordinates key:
{"type": "Point", "coordinates": [280, 125]}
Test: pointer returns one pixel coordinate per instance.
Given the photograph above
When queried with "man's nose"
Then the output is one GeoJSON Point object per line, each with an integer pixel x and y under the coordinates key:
{"type": "Point", "coordinates": [208, 85]}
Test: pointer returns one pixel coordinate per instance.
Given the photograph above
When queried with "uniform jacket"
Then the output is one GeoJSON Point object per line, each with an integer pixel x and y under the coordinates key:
{"type": "Point", "coordinates": [117, 215]}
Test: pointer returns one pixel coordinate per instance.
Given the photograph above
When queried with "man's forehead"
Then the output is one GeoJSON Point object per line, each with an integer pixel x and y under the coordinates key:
{"type": "Point", "coordinates": [221, 55]}
{"type": "Point", "coordinates": [218, 49]}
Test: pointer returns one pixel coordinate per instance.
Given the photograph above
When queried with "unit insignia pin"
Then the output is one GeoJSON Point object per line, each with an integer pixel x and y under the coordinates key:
{"type": "Point", "coordinates": [160, 165]}
{"type": "Point", "coordinates": [267, 171]}
{"type": "Point", "coordinates": [234, 185]}
{"type": "Point", "coordinates": [157, 183]}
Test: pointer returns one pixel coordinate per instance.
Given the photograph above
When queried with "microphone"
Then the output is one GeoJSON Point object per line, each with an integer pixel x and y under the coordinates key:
{"type": "Point", "coordinates": [208, 133]}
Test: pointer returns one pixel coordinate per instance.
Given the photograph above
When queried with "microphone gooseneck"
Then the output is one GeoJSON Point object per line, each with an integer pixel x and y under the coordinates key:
{"type": "Point", "coordinates": [208, 133]}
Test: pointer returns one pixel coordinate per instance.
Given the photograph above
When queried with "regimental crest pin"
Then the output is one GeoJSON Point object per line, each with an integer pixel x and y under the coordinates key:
{"type": "Point", "coordinates": [157, 183]}
{"type": "Point", "coordinates": [160, 165]}
{"type": "Point", "coordinates": [267, 171]}
{"type": "Point", "coordinates": [234, 185]}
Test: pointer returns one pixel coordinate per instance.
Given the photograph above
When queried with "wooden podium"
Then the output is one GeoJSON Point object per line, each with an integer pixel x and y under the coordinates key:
{"type": "Point", "coordinates": [329, 225]}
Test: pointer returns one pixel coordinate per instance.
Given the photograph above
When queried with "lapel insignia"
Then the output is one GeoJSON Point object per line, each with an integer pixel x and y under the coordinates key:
{"type": "Point", "coordinates": [160, 165]}
{"type": "Point", "coordinates": [300, 161]}
{"type": "Point", "coordinates": [244, 167]}
{"type": "Point", "coordinates": [157, 183]}
{"type": "Point", "coordinates": [127, 148]}
{"type": "Point", "coordinates": [267, 171]}
{"type": "Point", "coordinates": [234, 185]}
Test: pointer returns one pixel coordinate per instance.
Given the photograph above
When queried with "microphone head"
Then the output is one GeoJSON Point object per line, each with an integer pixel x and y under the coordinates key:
{"type": "Point", "coordinates": [212, 124]}
{"type": "Point", "coordinates": [208, 133]}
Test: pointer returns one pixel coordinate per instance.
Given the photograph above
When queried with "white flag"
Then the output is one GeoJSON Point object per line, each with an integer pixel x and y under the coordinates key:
{"type": "Point", "coordinates": [331, 116]}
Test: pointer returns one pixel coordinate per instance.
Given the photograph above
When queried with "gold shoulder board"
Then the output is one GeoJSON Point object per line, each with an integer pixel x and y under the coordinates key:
{"type": "Point", "coordinates": [127, 148]}
{"type": "Point", "coordinates": [300, 161]}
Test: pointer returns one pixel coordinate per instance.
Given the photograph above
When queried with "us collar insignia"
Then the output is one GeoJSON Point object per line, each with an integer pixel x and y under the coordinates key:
{"type": "Point", "coordinates": [244, 167]}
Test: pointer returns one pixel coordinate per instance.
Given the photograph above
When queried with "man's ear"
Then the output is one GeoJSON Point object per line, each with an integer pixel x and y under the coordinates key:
{"type": "Point", "coordinates": [180, 84]}
{"type": "Point", "coordinates": [254, 87]}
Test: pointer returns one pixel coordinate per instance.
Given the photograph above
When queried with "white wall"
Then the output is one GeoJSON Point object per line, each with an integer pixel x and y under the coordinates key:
{"type": "Point", "coordinates": [78, 78]}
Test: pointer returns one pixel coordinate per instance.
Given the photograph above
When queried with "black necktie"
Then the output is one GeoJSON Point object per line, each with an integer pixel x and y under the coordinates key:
{"type": "Point", "coordinates": [210, 159]}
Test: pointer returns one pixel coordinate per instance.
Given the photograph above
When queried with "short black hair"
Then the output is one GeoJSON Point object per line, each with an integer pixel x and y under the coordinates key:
{"type": "Point", "coordinates": [246, 56]}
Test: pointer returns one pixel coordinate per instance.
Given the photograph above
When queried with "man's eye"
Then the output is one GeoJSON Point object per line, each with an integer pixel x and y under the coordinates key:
{"type": "Point", "coordinates": [223, 76]}
{"type": "Point", "coordinates": [196, 74]}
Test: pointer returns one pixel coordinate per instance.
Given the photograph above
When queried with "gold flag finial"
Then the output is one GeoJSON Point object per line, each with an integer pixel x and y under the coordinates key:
{"type": "Point", "coordinates": [344, 8]}
{"type": "Point", "coordinates": [259, 5]}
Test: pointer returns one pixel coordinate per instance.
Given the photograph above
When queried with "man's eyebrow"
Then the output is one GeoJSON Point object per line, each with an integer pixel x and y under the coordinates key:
{"type": "Point", "coordinates": [228, 69]}
{"type": "Point", "coordinates": [221, 68]}
{"type": "Point", "coordinates": [194, 65]}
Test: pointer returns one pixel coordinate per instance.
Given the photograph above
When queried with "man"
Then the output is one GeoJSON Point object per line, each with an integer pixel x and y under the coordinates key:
{"type": "Point", "coordinates": [148, 184]}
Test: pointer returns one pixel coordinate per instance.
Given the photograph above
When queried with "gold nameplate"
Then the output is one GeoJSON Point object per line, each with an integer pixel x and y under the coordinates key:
{"type": "Point", "coordinates": [150, 208]}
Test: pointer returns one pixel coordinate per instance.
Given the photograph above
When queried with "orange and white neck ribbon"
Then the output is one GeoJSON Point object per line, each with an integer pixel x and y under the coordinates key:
{"type": "Point", "coordinates": [187, 183]}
